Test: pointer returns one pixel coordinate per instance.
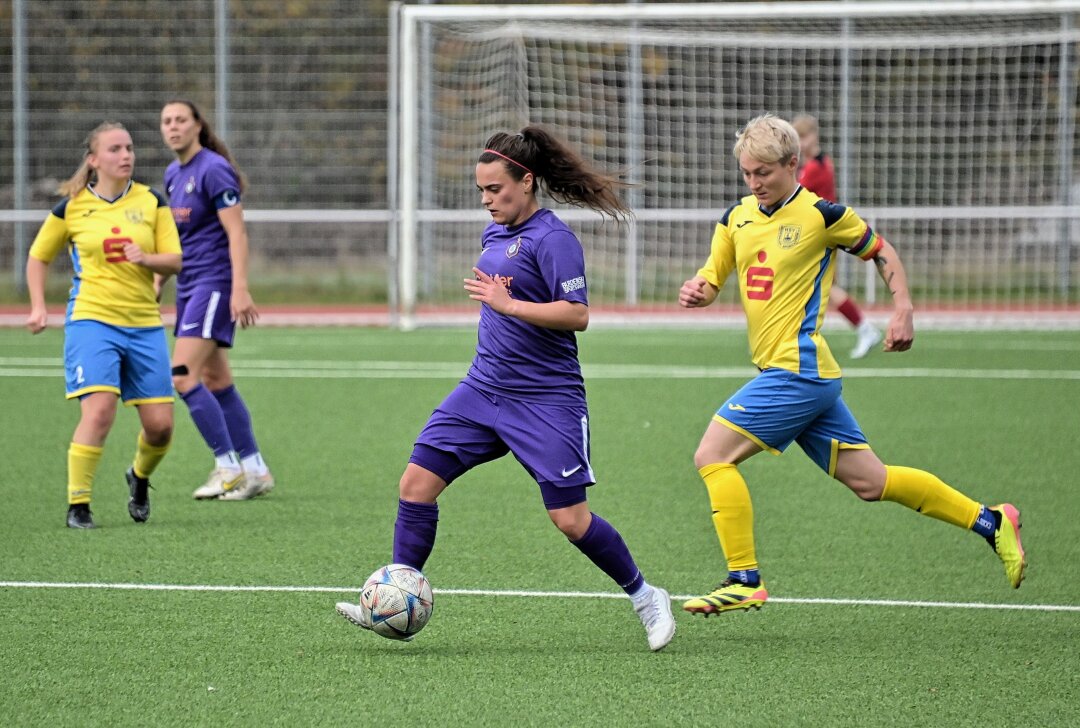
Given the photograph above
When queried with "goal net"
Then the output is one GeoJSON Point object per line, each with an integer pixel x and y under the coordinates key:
{"type": "Point", "coordinates": [953, 127]}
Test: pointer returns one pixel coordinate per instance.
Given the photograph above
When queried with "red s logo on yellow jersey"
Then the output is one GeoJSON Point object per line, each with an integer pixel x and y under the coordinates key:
{"type": "Point", "coordinates": [114, 249]}
{"type": "Point", "coordinates": [759, 280]}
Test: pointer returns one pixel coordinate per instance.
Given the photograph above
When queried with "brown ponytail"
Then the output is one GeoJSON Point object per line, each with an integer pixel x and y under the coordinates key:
{"type": "Point", "coordinates": [563, 173]}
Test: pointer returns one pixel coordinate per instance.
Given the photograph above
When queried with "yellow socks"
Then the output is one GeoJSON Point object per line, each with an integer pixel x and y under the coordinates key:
{"type": "Point", "coordinates": [82, 464]}
{"type": "Point", "coordinates": [926, 493]}
{"type": "Point", "coordinates": [148, 456]}
{"type": "Point", "coordinates": [732, 514]}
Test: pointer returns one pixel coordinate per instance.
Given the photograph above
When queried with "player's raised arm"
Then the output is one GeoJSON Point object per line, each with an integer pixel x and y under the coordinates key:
{"type": "Point", "coordinates": [900, 332]}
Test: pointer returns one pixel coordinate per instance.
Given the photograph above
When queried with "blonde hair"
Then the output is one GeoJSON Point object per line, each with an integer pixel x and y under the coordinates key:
{"type": "Point", "coordinates": [767, 138]}
{"type": "Point", "coordinates": [77, 182]}
{"type": "Point", "coordinates": [805, 124]}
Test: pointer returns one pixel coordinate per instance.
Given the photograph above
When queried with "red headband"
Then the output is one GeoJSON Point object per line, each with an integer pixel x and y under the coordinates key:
{"type": "Point", "coordinates": [511, 161]}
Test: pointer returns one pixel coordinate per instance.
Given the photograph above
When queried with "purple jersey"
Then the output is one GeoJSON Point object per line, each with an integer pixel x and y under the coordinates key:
{"type": "Point", "coordinates": [540, 260]}
{"type": "Point", "coordinates": [197, 190]}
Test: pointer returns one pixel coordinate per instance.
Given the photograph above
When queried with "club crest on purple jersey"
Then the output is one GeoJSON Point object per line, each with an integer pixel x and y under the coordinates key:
{"type": "Point", "coordinates": [514, 249]}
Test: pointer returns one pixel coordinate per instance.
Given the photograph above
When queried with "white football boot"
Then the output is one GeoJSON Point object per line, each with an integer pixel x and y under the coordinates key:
{"type": "Point", "coordinates": [869, 337]}
{"type": "Point", "coordinates": [218, 484]}
{"type": "Point", "coordinates": [249, 487]}
{"type": "Point", "coordinates": [354, 614]}
{"type": "Point", "coordinates": [655, 614]}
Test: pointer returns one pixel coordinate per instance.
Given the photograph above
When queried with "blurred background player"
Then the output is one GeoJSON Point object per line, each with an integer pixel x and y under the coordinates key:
{"type": "Point", "coordinates": [818, 174]}
{"type": "Point", "coordinates": [787, 259]}
{"type": "Point", "coordinates": [524, 393]}
{"type": "Point", "coordinates": [119, 233]}
{"type": "Point", "coordinates": [204, 186]}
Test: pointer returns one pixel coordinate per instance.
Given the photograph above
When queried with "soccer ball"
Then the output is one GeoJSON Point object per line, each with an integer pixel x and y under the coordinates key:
{"type": "Point", "coordinates": [398, 600]}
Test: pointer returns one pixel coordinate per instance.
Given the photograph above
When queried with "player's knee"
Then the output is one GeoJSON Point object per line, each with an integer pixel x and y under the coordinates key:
{"type": "Point", "coordinates": [867, 489]}
{"type": "Point", "coordinates": [100, 420]}
{"type": "Point", "coordinates": [703, 456]}
{"type": "Point", "coordinates": [182, 378]}
{"type": "Point", "coordinates": [418, 488]}
{"type": "Point", "coordinates": [862, 472]}
{"type": "Point", "coordinates": [215, 381]}
{"type": "Point", "coordinates": [573, 525]}
{"type": "Point", "coordinates": [158, 434]}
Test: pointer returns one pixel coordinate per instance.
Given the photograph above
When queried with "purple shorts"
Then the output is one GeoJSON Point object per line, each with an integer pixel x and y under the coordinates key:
{"type": "Point", "coordinates": [203, 313]}
{"type": "Point", "coordinates": [471, 427]}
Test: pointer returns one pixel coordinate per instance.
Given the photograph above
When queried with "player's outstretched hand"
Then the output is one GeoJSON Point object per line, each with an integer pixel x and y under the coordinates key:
{"type": "Point", "coordinates": [901, 331]}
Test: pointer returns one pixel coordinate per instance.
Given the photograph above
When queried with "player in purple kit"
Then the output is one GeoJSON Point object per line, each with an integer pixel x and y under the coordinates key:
{"type": "Point", "coordinates": [524, 393]}
{"type": "Point", "coordinates": [204, 188]}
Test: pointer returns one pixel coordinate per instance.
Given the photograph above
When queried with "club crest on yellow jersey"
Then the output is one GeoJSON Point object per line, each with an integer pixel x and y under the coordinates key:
{"type": "Point", "coordinates": [788, 237]}
{"type": "Point", "coordinates": [134, 216]}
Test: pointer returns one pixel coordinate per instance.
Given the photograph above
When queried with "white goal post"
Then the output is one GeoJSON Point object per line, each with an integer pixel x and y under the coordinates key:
{"type": "Point", "coordinates": [953, 126]}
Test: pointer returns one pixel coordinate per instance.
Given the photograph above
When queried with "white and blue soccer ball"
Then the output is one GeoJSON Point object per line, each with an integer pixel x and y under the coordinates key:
{"type": "Point", "coordinates": [398, 600]}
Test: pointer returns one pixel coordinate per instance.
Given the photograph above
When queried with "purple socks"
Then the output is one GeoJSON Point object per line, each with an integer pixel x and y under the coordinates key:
{"type": "Point", "coordinates": [414, 538]}
{"type": "Point", "coordinates": [208, 418]}
{"type": "Point", "coordinates": [237, 420]}
{"type": "Point", "coordinates": [414, 533]}
{"type": "Point", "coordinates": [606, 548]}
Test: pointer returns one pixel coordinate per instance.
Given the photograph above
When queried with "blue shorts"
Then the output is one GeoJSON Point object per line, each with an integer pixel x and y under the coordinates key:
{"type": "Point", "coordinates": [203, 313]}
{"type": "Point", "coordinates": [471, 427]}
{"type": "Point", "coordinates": [131, 362]}
{"type": "Point", "coordinates": [778, 407]}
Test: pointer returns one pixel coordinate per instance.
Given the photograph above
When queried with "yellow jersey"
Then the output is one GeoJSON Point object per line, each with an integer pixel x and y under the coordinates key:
{"type": "Point", "coordinates": [784, 261]}
{"type": "Point", "coordinates": [106, 287]}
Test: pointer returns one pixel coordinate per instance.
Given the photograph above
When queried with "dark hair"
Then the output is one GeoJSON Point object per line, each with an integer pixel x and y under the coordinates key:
{"type": "Point", "coordinates": [557, 169]}
{"type": "Point", "coordinates": [211, 141]}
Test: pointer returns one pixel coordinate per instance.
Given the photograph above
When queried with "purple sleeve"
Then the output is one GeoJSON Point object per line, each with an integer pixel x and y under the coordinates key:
{"type": "Point", "coordinates": [562, 263]}
{"type": "Point", "coordinates": [222, 185]}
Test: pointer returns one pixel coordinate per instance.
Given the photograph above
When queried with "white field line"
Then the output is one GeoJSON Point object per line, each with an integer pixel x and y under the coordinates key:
{"type": "Point", "coordinates": [528, 594]}
{"type": "Point", "coordinates": [323, 369]}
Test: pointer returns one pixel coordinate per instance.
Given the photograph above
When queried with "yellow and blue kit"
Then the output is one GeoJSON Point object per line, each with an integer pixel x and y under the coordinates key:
{"type": "Point", "coordinates": [784, 260]}
{"type": "Point", "coordinates": [114, 340]}
{"type": "Point", "coordinates": [105, 286]}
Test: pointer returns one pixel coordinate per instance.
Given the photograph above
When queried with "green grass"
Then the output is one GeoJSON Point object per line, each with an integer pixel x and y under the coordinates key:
{"type": "Point", "coordinates": [337, 444]}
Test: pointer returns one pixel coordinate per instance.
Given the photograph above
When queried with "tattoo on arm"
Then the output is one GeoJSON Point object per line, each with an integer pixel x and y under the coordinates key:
{"type": "Point", "coordinates": [882, 264]}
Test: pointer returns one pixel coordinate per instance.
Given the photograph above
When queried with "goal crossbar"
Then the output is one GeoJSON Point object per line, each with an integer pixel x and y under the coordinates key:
{"type": "Point", "coordinates": [953, 124]}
